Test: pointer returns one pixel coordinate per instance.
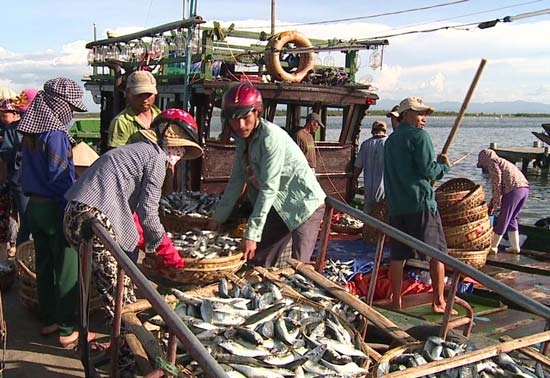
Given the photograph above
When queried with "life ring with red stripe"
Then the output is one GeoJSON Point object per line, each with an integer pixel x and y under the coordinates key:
{"type": "Point", "coordinates": [273, 51]}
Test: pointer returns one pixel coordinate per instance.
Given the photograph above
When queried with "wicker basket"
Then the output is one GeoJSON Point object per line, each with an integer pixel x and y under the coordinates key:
{"type": "Point", "coordinates": [464, 216]}
{"type": "Point", "coordinates": [380, 212]}
{"type": "Point", "coordinates": [474, 258]}
{"type": "Point", "coordinates": [459, 193]}
{"type": "Point", "coordinates": [196, 271]}
{"type": "Point", "coordinates": [480, 243]}
{"type": "Point", "coordinates": [24, 260]}
{"type": "Point", "coordinates": [382, 367]}
{"type": "Point", "coordinates": [456, 236]}
{"type": "Point", "coordinates": [173, 223]}
{"type": "Point", "coordinates": [345, 229]}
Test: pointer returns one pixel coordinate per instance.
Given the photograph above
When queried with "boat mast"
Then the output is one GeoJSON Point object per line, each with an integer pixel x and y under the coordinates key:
{"type": "Point", "coordinates": [192, 12]}
{"type": "Point", "coordinates": [272, 17]}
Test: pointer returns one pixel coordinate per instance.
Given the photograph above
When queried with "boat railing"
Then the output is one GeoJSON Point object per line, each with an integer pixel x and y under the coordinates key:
{"type": "Point", "coordinates": [126, 266]}
{"type": "Point", "coordinates": [463, 269]}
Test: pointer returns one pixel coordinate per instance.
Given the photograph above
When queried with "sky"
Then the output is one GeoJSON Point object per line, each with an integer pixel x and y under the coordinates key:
{"type": "Point", "coordinates": [41, 40]}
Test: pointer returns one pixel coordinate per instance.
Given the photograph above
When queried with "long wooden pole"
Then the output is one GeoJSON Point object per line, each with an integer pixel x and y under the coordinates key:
{"type": "Point", "coordinates": [465, 103]}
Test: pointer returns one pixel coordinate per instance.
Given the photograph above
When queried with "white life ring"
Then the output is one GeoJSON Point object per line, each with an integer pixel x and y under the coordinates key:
{"type": "Point", "coordinates": [273, 51]}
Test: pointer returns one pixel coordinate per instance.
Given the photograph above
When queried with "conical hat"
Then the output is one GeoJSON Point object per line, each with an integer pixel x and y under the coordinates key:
{"type": "Point", "coordinates": [84, 155]}
{"type": "Point", "coordinates": [6, 93]}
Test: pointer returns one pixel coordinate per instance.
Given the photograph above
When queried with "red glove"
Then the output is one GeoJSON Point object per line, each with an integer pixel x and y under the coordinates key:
{"type": "Point", "coordinates": [170, 255]}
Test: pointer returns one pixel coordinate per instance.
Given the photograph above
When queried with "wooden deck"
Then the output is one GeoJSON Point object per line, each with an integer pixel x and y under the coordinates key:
{"type": "Point", "coordinates": [525, 155]}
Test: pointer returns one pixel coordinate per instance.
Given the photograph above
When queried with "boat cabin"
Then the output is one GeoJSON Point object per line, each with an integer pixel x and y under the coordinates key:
{"type": "Point", "coordinates": [193, 64]}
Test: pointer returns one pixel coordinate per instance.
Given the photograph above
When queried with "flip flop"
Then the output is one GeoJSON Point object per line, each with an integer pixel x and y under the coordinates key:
{"type": "Point", "coordinates": [70, 342]}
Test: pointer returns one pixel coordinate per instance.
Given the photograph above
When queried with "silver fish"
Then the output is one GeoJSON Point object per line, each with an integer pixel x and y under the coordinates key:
{"type": "Point", "coordinates": [347, 369]}
{"type": "Point", "coordinates": [244, 349]}
{"type": "Point", "coordinates": [256, 372]}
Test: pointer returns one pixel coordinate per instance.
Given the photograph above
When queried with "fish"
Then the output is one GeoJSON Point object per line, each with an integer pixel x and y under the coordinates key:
{"type": "Point", "coordinates": [244, 349]}
{"type": "Point", "coordinates": [257, 372]}
{"type": "Point", "coordinates": [281, 331]}
{"type": "Point", "coordinates": [342, 348]}
{"type": "Point", "coordinates": [351, 368]}
{"type": "Point", "coordinates": [265, 315]}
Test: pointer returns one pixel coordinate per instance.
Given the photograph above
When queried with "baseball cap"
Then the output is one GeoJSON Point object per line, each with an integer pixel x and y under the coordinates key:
{"type": "Point", "coordinates": [379, 126]}
{"type": "Point", "coordinates": [394, 112]}
{"type": "Point", "coordinates": [139, 82]}
{"type": "Point", "coordinates": [416, 104]}
{"type": "Point", "coordinates": [314, 117]}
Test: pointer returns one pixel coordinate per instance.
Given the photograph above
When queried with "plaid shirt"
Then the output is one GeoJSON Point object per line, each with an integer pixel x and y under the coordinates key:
{"type": "Point", "coordinates": [123, 180]}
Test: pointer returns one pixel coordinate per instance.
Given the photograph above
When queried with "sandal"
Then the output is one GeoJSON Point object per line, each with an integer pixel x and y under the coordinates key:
{"type": "Point", "coordinates": [71, 341]}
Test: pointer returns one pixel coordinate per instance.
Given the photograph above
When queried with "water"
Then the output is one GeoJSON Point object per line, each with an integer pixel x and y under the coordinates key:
{"type": "Point", "coordinates": [475, 134]}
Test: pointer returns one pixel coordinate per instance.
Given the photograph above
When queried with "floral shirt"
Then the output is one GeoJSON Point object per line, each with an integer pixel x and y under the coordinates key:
{"type": "Point", "coordinates": [504, 175]}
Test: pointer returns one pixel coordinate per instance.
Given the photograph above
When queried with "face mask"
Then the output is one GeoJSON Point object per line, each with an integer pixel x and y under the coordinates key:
{"type": "Point", "coordinates": [174, 154]}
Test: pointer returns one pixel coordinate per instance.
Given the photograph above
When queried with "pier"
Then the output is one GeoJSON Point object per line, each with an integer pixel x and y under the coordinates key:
{"type": "Point", "coordinates": [540, 156]}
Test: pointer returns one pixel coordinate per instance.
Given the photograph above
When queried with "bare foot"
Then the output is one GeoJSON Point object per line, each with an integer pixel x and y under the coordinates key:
{"type": "Point", "coordinates": [396, 303]}
{"type": "Point", "coordinates": [440, 309]}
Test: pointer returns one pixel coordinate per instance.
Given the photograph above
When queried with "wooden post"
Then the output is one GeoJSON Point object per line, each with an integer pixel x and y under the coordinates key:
{"type": "Point", "coordinates": [465, 103]}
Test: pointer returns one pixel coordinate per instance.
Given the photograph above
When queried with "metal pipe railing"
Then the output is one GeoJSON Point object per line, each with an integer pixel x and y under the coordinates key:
{"type": "Point", "coordinates": [505, 291]}
{"type": "Point", "coordinates": [176, 325]}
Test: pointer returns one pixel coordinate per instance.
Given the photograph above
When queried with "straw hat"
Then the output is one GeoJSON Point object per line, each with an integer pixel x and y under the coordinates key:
{"type": "Point", "coordinates": [179, 129]}
{"type": "Point", "coordinates": [84, 155]}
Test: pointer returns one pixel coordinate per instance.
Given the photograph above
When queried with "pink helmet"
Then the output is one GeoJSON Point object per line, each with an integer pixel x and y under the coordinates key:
{"type": "Point", "coordinates": [23, 100]}
{"type": "Point", "coordinates": [240, 99]}
{"type": "Point", "coordinates": [180, 117]}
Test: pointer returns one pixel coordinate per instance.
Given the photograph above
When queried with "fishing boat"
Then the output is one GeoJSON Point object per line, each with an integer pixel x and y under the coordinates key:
{"type": "Point", "coordinates": [194, 67]}
{"type": "Point", "coordinates": [283, 67]}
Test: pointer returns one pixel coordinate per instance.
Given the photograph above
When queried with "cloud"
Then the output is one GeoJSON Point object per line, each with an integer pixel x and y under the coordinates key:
{"type": "Point", "coordinates": [438, 66]}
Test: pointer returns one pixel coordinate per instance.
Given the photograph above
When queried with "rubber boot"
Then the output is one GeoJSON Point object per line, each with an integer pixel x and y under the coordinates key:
{"type": "Point", "coordinates": [494, 243]}
{"type": "Point", "coordinates": [513, 238]}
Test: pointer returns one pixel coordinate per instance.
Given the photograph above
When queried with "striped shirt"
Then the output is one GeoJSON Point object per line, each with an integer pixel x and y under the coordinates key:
{"type": "Point", "coordinates": [123, 180]}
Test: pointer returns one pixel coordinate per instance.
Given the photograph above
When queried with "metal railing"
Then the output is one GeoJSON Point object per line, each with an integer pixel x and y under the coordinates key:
{"type": "Point", "coordinates": [505, 291]}
{"type": "Point", "coordinates": [127, 267]}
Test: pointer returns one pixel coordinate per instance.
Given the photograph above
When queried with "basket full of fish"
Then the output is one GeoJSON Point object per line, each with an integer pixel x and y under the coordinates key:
{"type": "Point", "coordinates": [183, 211]}
{"type": "Point", "coordinates": [436, 349]}
{"type": "Point", "coordinates": [346, 224]}
{"type": "Point", "coordinates": [255, 329]}
{"type": "Point", "coordinates": [208, 256]}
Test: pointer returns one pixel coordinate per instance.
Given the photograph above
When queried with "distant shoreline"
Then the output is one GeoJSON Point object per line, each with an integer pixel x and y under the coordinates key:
{"type": "Point", "coordinates": [382, 113]}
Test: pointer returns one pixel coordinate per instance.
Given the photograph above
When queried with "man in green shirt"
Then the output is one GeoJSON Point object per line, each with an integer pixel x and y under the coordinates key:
{"type": "Point", "coordinates": [141, 91]}
{"type": "Point", "coordinates": [409, 169]}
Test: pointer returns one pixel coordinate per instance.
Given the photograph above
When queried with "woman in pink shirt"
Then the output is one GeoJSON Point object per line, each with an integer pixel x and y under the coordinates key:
{"type": "Point", "coordinates": [510, 189]}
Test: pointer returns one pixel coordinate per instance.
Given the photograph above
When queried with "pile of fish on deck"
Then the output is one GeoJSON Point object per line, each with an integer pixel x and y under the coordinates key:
{"type": "Point", "coordinates": [253, 330]}
{"type": "Point", "coordinates": [437, 349]}
{"type": "Point", "coordinates": [204, 244]}
{"type": "Point", "coordinates": [199, 204]}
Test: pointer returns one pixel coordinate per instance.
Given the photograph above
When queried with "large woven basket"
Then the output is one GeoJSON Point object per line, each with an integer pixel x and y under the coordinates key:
{"type": "Point", "coordinates": [382, 367]}
{"type": "Point", "coordinates": [184, 223]}
{"type": "Point", "coordinates": [456, 236]}
{"type": "Point", "coordinates": [464, 216]}
{"type": "Point", "coordinates": [196, 271]}
{"type": "Point", "coordinates": [480, 243]}
{"type": "Point", "coordinates": [476, 259]}
{"type": "Point", "coordinates": [26, 272]}
{"type": "Point", "coordinates": [459, 193]}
